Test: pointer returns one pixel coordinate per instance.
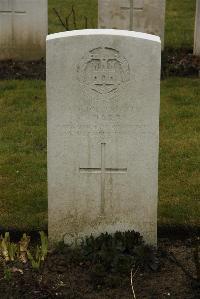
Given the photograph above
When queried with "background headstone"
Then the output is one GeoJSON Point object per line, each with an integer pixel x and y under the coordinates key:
{"type": "Point", "coordinates": [146, 16]}
{"type": "Point", "coordinates": [197, 30]}
{"type": "Point", "coordinates": [23, 29]}
{"type": "Point", "coordinates": [103, 94]}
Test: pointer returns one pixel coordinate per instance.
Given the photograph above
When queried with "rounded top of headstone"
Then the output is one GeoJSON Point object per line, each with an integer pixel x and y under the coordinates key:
{"type": "Point", "coordinates": [113, 32]}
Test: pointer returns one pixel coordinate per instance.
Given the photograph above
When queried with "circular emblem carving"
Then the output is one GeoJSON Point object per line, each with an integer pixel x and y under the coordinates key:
{"type": "Point", "coordinates": [103, 70]}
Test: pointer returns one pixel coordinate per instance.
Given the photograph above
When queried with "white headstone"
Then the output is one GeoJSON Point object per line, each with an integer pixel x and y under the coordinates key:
{"type": "Point", "coordinates": [23, 29]}
{"type": "Point", "coordinates": [103, 95]}
{"type": "Point", "coordinates": [197, 30]}
{"type": "Point", "coordinates": [146, 16]}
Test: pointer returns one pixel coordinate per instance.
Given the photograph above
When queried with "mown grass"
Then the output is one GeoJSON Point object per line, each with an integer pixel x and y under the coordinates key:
{"type": "Point", "coordinates": [23, 182]}
{"type": "Point", "coordinates": [23, 190]}
{"type": "Point", "coordinates": [179, 171]}
{"type": "Point", "coordinates": [179, 26]}
{"type": "Point", "coordinates": [86, 8]}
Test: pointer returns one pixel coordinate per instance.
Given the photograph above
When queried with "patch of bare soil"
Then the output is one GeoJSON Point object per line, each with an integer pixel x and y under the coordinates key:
{"type": "Point", "coordinates": [10, 70]}
{"type": "Point", "coordinates": [180, 63]}
{"type": "Point", "coordinates": [174, 63]}
{"type": "Point", "coordinates": [61, 279]}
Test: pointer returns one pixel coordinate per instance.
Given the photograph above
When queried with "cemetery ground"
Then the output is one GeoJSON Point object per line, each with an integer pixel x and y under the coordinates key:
{"type": "Point", "coordinates": [23, 153]}
{"type": "Point", "coordinates": [23, 177]}
{"type": "Point", "coordinates": [24, 199]}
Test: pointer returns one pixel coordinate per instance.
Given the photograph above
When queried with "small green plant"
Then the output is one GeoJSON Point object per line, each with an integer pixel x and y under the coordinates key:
{"type": "Point", "coordinates": [112, 256]}
{"type": "Point", "coordinates": [7, 274]}
{"type": "Point", "coordinates": [44, 245]}
{"type": "Point", "coordinates": [8, 250]}
{"type": "Point", "coordinates": [4, 246]}
{"type": "Point", "coordinates": [23, 248]}
{"type": "Point", "coordinates": [13, 251]}
{"type": "Point", "coordinates": [37, 257]}
{"type": "Point", "coordinates": [35, 261]}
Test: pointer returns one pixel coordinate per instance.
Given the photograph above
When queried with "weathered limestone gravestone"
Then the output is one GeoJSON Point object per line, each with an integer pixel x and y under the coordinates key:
{"type": "Point", "coordinates": [103, 94]}
{"type": "Point", "coordinates": [197, 30]}
{"type": "Point", "coordinates": [23, 29]}
{"type": "Point", "coordinates": [146, 16]}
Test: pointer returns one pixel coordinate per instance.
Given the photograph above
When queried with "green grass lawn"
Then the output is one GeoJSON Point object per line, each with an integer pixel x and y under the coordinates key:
{"type": "Point", "coordinates": [179, 29]}
{"type": "Point", "coordinates": [23, 182]}
{"type": "Point", "coordinates": [179, 171]}
{"type": "Point", "coordinates": [23, 187]}
{"type": "Point", "coordinates": [179, 26]}
{"type": "Point", "coordinates": [83, 8]}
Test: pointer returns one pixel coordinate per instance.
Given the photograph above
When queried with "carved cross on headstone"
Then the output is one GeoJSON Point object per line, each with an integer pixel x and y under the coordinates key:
{"type": "Point", "coordinates": [138, 5]}
{"type": "Point", "coordinates": [103, 171]}
{"type": "Point", "coordinates": [12, 12]}
{"type": "Point", "coordinates": [135, 5]}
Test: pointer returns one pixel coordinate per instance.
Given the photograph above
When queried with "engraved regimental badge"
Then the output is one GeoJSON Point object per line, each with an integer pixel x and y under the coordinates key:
{"type": "Point", "coordinates": [103, 70]}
